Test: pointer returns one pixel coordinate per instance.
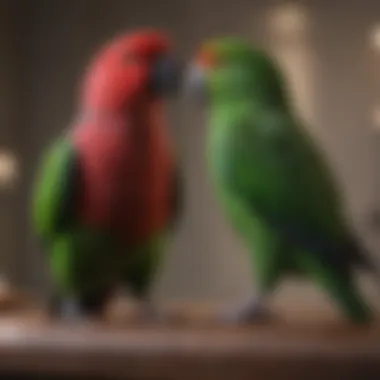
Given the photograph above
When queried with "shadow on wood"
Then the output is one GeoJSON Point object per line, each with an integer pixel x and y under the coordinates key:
{"type": "Point", "coordinates": [194, 347]}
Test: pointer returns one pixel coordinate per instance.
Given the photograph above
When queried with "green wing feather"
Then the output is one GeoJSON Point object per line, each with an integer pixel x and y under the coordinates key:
{"type": "Point", "coordinates": [281, 180]}
{"type": "Point", "coordinates": [277, 170]}
{"type": "Point", "coordinates": [54, 189]}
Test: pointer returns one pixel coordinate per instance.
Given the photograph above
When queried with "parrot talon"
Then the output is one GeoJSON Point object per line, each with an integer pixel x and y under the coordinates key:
{"type": "Point", "coordinates": [69, 310]}
{"type": "Point", "coordinates": [247, 313]}
{"type": "Point", "coordinates": [74, 310]}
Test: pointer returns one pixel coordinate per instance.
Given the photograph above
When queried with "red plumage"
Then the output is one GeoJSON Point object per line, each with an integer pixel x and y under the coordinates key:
{"type": "Point", "coordinates": [125, 153]}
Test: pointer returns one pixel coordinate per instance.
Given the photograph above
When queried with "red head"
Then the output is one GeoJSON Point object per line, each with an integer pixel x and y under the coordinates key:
{"type": "Point", "coordinates": [129, 69]}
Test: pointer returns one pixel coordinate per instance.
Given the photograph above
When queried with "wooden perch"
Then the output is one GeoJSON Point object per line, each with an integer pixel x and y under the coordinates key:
{"type": "Point", "coordinates": [193, 349]}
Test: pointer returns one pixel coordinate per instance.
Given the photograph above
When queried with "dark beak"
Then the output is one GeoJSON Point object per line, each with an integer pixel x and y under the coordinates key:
{"type": "Point", "coordinates": [195, 84]}
{"type": "Point", "coordinates": [166, 76]}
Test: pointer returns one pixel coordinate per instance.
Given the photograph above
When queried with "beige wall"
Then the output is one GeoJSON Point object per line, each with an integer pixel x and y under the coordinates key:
{"type": "Point", "coordinates": [333, 69]}
{"type": "Point", "coordinates": [10, 130]}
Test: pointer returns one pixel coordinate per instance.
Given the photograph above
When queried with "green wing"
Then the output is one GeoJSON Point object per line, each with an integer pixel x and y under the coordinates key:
{"type": "Point", "coordinates": [287, 182]}
{"type": "Point", "coordinates": [54, 190]}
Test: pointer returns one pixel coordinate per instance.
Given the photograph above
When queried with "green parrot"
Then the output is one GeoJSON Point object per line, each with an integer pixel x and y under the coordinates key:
{"type": "Point", "coordinates": [107, 192]}
{"type": "Point", "coordinates": [272, 181]}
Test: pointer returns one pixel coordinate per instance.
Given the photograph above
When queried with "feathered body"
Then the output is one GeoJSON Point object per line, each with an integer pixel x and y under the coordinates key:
{"type": "Point", "coordinates": [107, 191]}
{"type": "Point", "coordinates": [272, 180]}
{"type": "Point", "coordinates": [128, 175]}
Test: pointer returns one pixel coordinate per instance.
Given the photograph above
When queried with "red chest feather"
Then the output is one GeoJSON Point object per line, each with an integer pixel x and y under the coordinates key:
{"type": "Point", "coordinates": [127, 177]}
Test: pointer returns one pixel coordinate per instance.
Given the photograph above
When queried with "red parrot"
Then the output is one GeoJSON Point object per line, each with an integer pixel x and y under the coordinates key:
{"type": "Point", "coordinates": [107, 191]}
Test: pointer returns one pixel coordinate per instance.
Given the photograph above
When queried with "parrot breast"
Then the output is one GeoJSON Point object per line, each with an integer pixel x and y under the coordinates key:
{"type": "Point", "coordinates": [127, 175]}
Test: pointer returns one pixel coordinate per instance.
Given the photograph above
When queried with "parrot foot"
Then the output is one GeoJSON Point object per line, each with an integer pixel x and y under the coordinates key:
{"type": "Point", "coordinates": [250, 312]}
{"type": "Point", "coordinates": [76, 309]}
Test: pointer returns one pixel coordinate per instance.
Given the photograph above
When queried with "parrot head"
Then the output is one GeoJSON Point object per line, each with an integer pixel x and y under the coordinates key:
{"type": "Point", "coordinates": [132, 68]}
{"type": "Point", "coordinates": [229, 69]}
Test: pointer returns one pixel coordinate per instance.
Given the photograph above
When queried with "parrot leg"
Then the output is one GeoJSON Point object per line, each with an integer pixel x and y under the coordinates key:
{"type": "Point", "coordinates": [83, 274]}
{"type": "Point", "coordinates": [140, 275]}
{"type": "Point", "coordinates": [254, 309]}
{"type": "Point", "coordinates": [78, 308]}
{"type": "Point", "coordinates": [249, 311]}
{"type": "Point", "coordinates": [267, 252]}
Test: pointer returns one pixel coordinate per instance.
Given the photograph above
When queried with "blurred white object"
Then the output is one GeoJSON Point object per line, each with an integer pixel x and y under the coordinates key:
{"type": "Point", "coordinates": [288, 19]}
{"type": "Point", "coordinates": [375, 37]}
{"type": "Point", "coordinates": [8, 168]}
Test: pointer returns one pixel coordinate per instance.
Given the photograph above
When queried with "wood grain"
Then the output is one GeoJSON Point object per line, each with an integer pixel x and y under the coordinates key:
{"type": "Point", "coordinates": [194, 347]}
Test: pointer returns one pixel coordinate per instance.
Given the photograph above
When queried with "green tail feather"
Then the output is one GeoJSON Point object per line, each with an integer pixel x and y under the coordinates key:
{"type": "Point", "coordinates": [340, 287]}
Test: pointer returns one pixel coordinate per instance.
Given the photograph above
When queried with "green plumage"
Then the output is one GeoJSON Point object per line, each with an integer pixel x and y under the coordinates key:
{"type": "Point", "coordinates": [53, 190]}
{"type": "Point", "coordinates": [106, 195]}
{"type": "Point", "coordinates": [84, 261]}
{"type": "Point", "coordinates": [272, 180]}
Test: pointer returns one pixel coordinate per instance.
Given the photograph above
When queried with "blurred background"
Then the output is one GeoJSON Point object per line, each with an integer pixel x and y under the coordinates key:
{"type": "Point", "coordinates": [329, 50]}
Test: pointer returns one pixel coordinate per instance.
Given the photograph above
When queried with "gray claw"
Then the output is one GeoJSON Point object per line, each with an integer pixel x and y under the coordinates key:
{"type": "Point", "coordinates": [71, 309]}
{"type": "Point", "coordinates": [249, 312]}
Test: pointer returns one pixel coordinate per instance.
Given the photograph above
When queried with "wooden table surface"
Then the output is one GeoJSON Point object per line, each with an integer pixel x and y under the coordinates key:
{"type": "Point", "coordinates": [195, 348]}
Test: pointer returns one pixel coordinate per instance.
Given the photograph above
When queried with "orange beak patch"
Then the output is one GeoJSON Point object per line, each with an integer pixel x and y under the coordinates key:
{"type": "Point", "coordinates": [207, 58]}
